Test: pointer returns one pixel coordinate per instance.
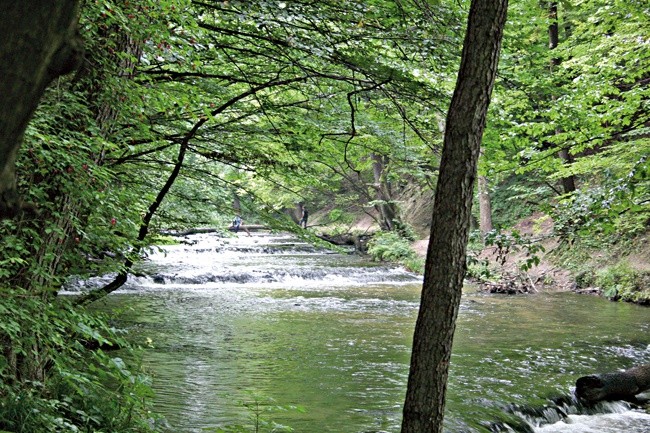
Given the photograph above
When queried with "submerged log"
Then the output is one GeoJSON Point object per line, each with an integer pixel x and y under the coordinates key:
{"type": "Point", "coordinates": [360, 242]}
{"type": "Point", "coordinates": [623, 385]}
{"type": "Point", "coordinates": [198, 230]}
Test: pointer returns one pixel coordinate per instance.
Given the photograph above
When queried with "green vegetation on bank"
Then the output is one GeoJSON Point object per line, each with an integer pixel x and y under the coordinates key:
{"type": "Point", "coordinates": [394, 247]}
{"type": "Point", "coordinates": [58, 372]}
{"type": "Point", "coordinates": [618, 271]}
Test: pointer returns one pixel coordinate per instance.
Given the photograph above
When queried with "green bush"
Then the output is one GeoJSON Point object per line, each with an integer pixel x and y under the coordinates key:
{"type": "Point", "coordinates": [54, 377]}
{"type": "Point", "coordinates": [479, 269]}
{"type": "Point", "coordinates": [617, 282]}
{"type": "Point", "coordinates": [391, 247]}
{"type": "Point", "coordinates": [621, 282]}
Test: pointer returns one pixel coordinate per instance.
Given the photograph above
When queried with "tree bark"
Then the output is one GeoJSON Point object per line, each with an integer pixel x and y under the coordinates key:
{"type": "Point", "coordinates": [484, 205]}
{"type": "Point", "coordinates": [445, 266]}
{"type": "Point", "coordinates": [568, 183]}
{"type": "Point", "coordinates": [38, 42]}
{"type": "Point", "coordinates": [385, 206]}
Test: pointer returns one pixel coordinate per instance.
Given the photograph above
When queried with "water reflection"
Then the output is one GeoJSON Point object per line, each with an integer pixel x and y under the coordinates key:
{"type": "Point", "coordinates": [332, 334]}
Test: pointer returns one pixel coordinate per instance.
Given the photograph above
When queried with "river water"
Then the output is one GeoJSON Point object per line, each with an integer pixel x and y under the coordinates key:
{"type": "Point", "coordinates": [245, 327]}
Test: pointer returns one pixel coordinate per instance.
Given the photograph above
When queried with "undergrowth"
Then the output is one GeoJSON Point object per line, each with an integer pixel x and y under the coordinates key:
{"type": "Point", "coordinates": [392, 247]}
{"type": "Point", "coordinates": [608, 268]}
{"type": "Point", "coordinates": [55, 375]}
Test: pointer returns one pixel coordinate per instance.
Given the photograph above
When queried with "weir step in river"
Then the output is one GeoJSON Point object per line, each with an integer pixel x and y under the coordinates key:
{"type": "Point", "coordinates": [240, 321]}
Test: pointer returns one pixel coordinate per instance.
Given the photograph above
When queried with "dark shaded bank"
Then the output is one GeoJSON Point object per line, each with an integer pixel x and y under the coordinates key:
{"type": "Point", "coordinates": [359, 241]}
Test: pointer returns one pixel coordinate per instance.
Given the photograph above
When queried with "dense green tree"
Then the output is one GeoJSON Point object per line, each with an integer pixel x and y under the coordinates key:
{"type": "Point", "coordinates": [591, 108]}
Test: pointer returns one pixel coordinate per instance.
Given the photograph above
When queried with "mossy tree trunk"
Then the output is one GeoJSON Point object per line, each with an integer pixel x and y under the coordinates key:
{"type": "Point", "coordinates": [385, 206]}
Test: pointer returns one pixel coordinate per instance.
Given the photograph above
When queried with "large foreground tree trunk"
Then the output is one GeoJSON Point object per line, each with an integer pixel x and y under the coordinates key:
{"type": "Point", "coordinates": [38, 42]}
{"type": "Point", "coordinates": [445, 265]}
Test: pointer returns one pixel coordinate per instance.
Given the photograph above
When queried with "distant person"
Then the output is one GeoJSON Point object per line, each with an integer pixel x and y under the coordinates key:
{"type": "Point", "coordinates": [303, 219]}
{"type": "Point", "coordinates": [236, 223]}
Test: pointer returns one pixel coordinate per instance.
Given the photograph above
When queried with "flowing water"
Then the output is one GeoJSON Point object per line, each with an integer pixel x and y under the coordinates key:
{"type": "Point", "coordinates": [236, 322]}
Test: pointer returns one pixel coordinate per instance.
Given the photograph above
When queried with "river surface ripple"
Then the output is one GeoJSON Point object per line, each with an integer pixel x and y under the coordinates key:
{"type": "Point", "coordinates": [240, 322]}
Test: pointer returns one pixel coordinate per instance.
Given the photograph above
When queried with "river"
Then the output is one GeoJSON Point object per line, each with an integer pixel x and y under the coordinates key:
{"type": "Point", "coordinates": [244, 326]}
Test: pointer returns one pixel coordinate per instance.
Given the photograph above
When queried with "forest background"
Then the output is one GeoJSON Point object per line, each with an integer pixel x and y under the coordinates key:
{"type": "Point", "coordinates": [185, 113]}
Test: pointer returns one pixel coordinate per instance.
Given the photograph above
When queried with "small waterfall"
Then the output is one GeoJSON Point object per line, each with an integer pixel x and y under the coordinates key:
{"type": "Point", "coordinates": [566, 414]}
{"type": "Point", "coordinates": [213, 262]}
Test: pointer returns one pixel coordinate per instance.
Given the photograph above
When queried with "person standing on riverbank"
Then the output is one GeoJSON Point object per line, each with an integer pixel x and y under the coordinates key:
{"type": "Point", "coordinates": [236, 223]}
{"type": "Point", "coordinates": [303, 219]}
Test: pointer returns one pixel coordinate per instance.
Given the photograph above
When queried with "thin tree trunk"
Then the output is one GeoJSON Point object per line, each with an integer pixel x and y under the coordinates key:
{"type": "Point", "coordinates": [568, 183]}
{"type": "Point", "coordinates": [385, 205]}
{"type": "Point", "coordinates": [445, 266]}
{"type": "Point", "coordinates": [236, 203]}
{"type": "Point", "coordinates": [484, 205]}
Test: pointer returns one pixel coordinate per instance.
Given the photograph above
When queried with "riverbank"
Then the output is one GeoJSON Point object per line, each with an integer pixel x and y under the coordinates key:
{"type": "Point", "coordinates": [618, 271]}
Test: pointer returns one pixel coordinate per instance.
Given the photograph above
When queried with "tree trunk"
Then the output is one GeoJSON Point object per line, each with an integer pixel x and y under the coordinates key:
{"type": "Point", "coordinates": [38, 42]}
{"type": "Point", "coordinates": [484, 205]}
{"type": "Point", "coordinates": [236, 203]}
{"type": "Point", "coordinates": [68, 211]}
{"type": "Point", "coordinates": [568, 183]}
{"type": "Point", "coordinates": [445, 266]}
{"type": "Point", "coordinates": [385, 206]}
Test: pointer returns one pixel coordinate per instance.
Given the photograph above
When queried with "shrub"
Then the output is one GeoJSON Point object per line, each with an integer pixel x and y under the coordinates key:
{"type": "Point", "coordinates": [50, 381]}
{"type": "Point", "coordinates": [391, 247]}
{"type": "Point", "coordinates": [619, 282]}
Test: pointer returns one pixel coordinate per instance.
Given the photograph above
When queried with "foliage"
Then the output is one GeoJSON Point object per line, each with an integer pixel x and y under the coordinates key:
{"type": "Point", "coordinates": [517, 197]}
{"type": "Point", "coordinates": [479, 269]}
{"type": "Point", "coordinates": [513, 241]}
{"type": "Point", "coordinates": [617, 282]}
{"type": "Point", "coordinates": [616, 207]}
{"type": "Point", "coordinates": [50, 381]}
{"type": "Point", "coordinates": [391, 246]}
{"type": "Point", "coordinates": [260, 410]}
{"type": "Point", "coordinates": [183, 108]}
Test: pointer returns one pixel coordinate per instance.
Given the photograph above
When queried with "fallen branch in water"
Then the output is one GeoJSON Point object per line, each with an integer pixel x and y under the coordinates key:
{"type": "Point", "coordinates": [620, 385]}
{"type": "Point", "coordinates": [510, 284]}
